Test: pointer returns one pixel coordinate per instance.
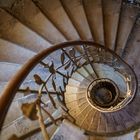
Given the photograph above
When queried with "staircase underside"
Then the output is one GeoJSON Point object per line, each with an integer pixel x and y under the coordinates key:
{"type": "Point", "coordinates": [95, 82]}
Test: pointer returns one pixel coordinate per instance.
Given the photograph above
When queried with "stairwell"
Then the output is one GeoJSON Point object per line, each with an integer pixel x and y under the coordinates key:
{"type": "Point", "coordinates": [28, 27]}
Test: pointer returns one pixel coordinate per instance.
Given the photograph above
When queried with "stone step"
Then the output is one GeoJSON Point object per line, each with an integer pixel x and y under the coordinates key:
{"type": "Point", "coordinates": [11, 29]}
{"type": "Point", "coordinates": [81, 102]}
{"type": "Point", "coordinates": [127, 20]}
{"type": "Point", "coordinates": [111, 13]}
{"type": "Point", "coordinates": [82, 109]}
{"type": "Point", "coordinates": [53, 10]}
{"type": "Point", "coordinates": [83, 71]}
{"type": "Point", "coordinates": [102, 125]}
{"type": "Point", "coordinates": [78, 77]}
{"type": "Point", "coordinates": [36, 136]}
{"type": "Point", "coordinates": [7, 70]}
{"type": "Point", "coordinates": [133, 109]}
{"type": "Point", "coordinates": [128, 120]}
{"type": "Point", "coordinates": [88, 118]}
{"type": "Point", "coordinates": [28, 13]}
{"type": "Point", "coordinates": [118, 121]}
{"type": "Point", "coordinates": [93, 11]}
{"type": "Point", "coordinates": [129, 136]}
{"type": "Point", "coordinates": [132, 49]}
{"type": "Point", "coordinates": [89, 69]}
{"type": "Point", "coordinates": [82, 116]}
{"type": "Point", "coordinates": [77, 96]}
{"type": "Point", "coordinates": [71, 106]}
{"type": "Point", "coordinates": [69, 131]}
{"type": "Point", "coordinates": [77, 15]}
{"type": "Point", "coordinates": [72, 89]}
{"type": "Point", "coordinates": [78, 109]}
{"type": "Point", "coordinates": [93, 126]}
{"type": "Point", "coordinates": [75, 83]}
{"type": "Point", "coordinates": [15, 111]}
{"type": "Point", "coordinates": [23, 127]}
{"type": "Point", "coordinates": [10, 53]}
{"type": "Point", "coordinates": [2, 85]}
{"type": "Point", "coordinates": [111, 126]}
{"type": "Point", "coordinates": [120, 125]}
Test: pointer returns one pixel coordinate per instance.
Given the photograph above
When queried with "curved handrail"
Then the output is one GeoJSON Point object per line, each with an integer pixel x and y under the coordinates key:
{"type": "Point", "coordinates": [10, 90]}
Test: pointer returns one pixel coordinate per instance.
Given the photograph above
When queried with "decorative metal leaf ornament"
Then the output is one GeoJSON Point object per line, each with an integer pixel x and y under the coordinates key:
{"type": "Point", "coordinates": [53, 83]}
{"type": "Point", "coordinates": [62, 58]}
{"type": "Point", "coordinates": [29, 110]}
{"type": "Point", "coordinates": [72, 52]}
{"type": "Point", "coordinates": [51, 68]}
{"type": "Point", "coordinates": [68, 65]}
{"type": "Point", "coordinates": [38, 79]}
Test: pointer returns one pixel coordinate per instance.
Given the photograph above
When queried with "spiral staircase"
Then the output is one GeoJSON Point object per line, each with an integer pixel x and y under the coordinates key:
{"type": "Point", "coordinates": [69, 69]}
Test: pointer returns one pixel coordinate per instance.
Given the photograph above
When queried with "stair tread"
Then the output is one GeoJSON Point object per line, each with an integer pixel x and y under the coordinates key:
{"type": "Point", "coordinates": [132, 50]}
{"type": "Point", "coordinates": [53, 10]}
{"type": "Point", "coordinates": [127, 20]}
{"type": "Point", "coordinates": [85, 123]}
{"type": "Point", "coordinates": [16, 32]}
{"type": "Point", "coordinates": [89, 69]}
{"type": "Point", "coordinates": [94, 15]}
{"type": "Point", "coordinates": [15, 111]}
{"type": "Point", "coordinates": [23, 126]}
{"type": "Point", "coordinates": [69, 131]}
{"type": "Point", "coordinates": [111, 126]}
{"type": "Point", "coordinates": [74, 97]}
{"type": "Point", "coordinates": [2, 85]}
{"type": "Point", "coordinates": [111, 13]}
{"type": "Point", "coordinates": [29, 15]}
{"type": "Point", "coordinates": [94, 121]}
{"type": "Point", "coordinates": [84, 73]}
{"type": "Point", "coordinates": [7, 70]}
{"type": "Point", "coordinates": [76, 13]}
{"type": "Point", "coordinates": [129, 136]}
{"type": "Point", "coordinates": [77, 110]}
{"type": "Point", "coordinates": [72, 105]}
{"type": "Point", "coordinates": [102, 125]}
{"type": "Point", "coordinates": [10, 53]}
{"type": "Point", "coordinates": [81, 111]}
{"type": "Point", "coordinates": [78, 77]}
{"type": "Point", "coordinates": [71, 89]}
{"type": "Point", "coordinates": [81, 117]}
{"type": "Point", "coordinates": [36, 136]}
